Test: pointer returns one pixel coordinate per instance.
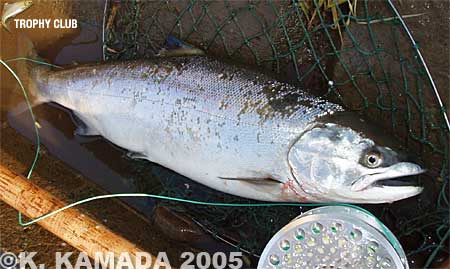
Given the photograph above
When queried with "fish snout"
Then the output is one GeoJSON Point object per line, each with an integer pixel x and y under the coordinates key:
{"type": "Point", "coordinates": [392, 173]}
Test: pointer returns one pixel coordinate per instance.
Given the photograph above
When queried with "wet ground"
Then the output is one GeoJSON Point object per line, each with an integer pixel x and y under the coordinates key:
{"type": "Point", "coordinates": [73, 168]}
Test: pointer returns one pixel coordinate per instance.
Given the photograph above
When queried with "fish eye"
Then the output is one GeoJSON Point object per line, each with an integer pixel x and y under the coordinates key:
{"type": "Point", "coordinates": [373, 159]}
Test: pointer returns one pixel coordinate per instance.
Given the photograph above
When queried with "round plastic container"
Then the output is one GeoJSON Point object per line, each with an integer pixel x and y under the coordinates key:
{"type": "Point", "coordinates": [333, 237]}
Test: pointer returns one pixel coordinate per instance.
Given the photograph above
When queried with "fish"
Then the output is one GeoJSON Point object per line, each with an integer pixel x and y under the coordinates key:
{"type": "Point", "coordinates": [230, 128]}
{"type": "Point", "coordinates": [12, 9]}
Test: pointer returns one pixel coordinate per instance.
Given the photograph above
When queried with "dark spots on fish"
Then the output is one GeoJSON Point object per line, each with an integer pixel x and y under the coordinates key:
{"type": "Point", "coordinates": [189, 99]}
{"type": "Point", "coordinates": [138, 96]}
{"type": "Point", "coordinates": [285, 99]}
{"type": "Point", "coordinates": [251, 104]}
{"type": "Point", "coordinates": [168, 68]}
{"type": "Point", "coordinates": [179, 68]}
{"type": "Point", "coordinates": [223, 105]}
{"type": "Point", "coordinates": [265, 111]}
{"type": "Point", "coordinates": [163, 69]}
{"type": "Point", "coordinates": [363, 126]}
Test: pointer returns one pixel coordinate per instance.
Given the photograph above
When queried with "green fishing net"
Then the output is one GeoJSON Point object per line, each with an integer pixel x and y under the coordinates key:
{"type": "Point", "coordinates": [360, 56]}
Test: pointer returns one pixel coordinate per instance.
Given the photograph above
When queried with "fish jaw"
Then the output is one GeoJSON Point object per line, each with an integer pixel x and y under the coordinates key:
{"type": "Point", "coordinates": [369, 188]}
{"type": "Point", "coordinates": [398, 170]}
{"type": "Point", "coordinates": [376, 194]}
{"type": "Point", "coordinates": [301, 191]}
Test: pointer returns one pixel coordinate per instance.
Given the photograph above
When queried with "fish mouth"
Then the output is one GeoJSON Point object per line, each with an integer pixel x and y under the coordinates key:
{"type": "Point", "coordinates": [408, 180]}
{"type": "Point", "coordinates": [395, 176]}
{"type": "Point", "coordinates": [378, 194]}
{"type": "Point", "coordinates": [386, 184]}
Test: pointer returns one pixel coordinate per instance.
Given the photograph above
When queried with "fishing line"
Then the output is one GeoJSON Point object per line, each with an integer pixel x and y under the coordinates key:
{"type": "Point", "coordinates": [32, 60]}
{"type": "Point", "coordinates": [391, 238]}
{"type": "Point", "coordinates": [422, 60]}
{"type": "Point", "coordinates": [36, 130]}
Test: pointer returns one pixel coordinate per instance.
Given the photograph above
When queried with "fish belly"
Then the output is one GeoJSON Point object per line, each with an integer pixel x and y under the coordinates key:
{"type": "Point", "coordinates": [207, 121]}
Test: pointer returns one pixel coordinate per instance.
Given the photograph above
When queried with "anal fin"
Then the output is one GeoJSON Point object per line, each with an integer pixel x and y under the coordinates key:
{"type": "Point", "coordinates": [85, 131]}
{"type": "Point", "coordinates": [83, 128]}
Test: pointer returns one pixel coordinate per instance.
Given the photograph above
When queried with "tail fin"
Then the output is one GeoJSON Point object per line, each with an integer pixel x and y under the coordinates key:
{"type": "Point", "coordinates": [32, 74]}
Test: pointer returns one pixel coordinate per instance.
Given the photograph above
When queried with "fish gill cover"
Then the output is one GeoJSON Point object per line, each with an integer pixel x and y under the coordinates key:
{"type": "Point", "coordinates": [356, 53]}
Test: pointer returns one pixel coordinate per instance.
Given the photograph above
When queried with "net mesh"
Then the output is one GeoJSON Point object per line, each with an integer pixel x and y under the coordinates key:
{"type": "Point", "coordinates": [358, 56]}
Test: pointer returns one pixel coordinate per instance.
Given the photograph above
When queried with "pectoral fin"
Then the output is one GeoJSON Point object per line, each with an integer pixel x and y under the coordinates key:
{"type": "Point", "coordinates": [253, 180]}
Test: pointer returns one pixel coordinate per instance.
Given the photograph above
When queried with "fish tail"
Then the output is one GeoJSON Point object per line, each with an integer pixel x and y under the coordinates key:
{"type": "Point", "coordinates": [6, 26]}
{"type": "Point", "coordinates": [33, 74]}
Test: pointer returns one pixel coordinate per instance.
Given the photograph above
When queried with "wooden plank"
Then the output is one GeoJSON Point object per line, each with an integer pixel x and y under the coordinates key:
{"type": "Point", "coordinates": [82, 232]}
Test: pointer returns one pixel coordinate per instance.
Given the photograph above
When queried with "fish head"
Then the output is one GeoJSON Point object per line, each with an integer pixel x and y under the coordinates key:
{"type": "Point", "coordinates": [335, 163]}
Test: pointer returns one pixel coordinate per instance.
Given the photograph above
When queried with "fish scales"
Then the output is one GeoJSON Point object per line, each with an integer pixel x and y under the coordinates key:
{"type": "Point", "coordinates": [194, 110]}
{"type": "Point", "coordinates": [226, 127]}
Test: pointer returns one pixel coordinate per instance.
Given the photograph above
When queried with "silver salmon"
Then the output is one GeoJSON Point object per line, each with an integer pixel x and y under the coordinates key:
{"type": "Point", "coordinates": [232, 129]}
